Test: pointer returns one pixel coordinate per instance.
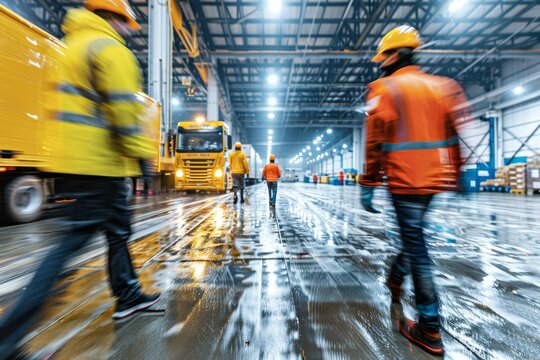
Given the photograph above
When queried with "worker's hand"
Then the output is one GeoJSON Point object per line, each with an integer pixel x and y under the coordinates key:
{"type": "Point", "coordinates": [367, 199]}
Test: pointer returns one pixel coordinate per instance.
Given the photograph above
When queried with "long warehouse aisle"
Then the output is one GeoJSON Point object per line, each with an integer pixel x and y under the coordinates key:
{"type": "Point", "coordinates": [303, 281]}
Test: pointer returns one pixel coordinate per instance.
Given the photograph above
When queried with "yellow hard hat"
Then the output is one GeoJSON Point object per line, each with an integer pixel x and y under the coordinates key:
{"type": "Point", "coordinates": [120, 7]}
{"type": "Point", "coordinates": [272, 157]}
{"type": "Point", "coordinates": [400, 37]}
{"type": "Point", "coordinates": [238, 146]}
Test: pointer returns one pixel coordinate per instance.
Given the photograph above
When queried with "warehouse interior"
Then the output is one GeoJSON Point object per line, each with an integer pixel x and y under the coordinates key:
{"type": "Point", "coordinates": [305, 279]}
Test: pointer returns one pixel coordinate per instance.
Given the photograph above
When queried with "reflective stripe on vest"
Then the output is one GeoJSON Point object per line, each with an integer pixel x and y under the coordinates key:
{"type": "Point", "coordinates": [77, 90]}
{"type": "Point", "coordinates": [127, 130]}
{"type": "Point", "coordinates": [81, 119]}
{"type": "Point", "coordinates": [421, 145]}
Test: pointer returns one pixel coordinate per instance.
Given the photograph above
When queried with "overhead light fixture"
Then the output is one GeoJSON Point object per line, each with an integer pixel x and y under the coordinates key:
{"type": "Point", "coordinates": [271, 116]}
{"type": "Point", "coordinates": [310, 153]}
{"type": "Point", "coordinates": [304, 150]}
{"type": "Point", "coordinates": [329, 131]}
{"type": "Point", "coordinates": [308, 147]}
{"type": "Point", "coordinates": [334, 150]}
{"type": "Point", "coordinates": [272, 79]}
{"type": "Point", "coordinates": [325, 154]}
{"type": "Point", "coordinates": [274, 7]}
{"type": "Point", "coordinates": [270, 137]}
{"type": "Point", "coordinates": [315, 142]}
{"type": "Point", "coordinates": [272, 101]}
{"type": "Point", "coordinates": [175, 101]}
{"type": "Point", "coordinates": [319, 138]}
{"type": "Point", "coordinates": [270, 132]}
{"type": "Point", "coordinates": [456, 5]}
{"type": "Point", "coordinates": [344, 146]}
{"type": "Point", "coordinates": [518, 90]}
{"type": "Point", "coordinates": [318, 148]}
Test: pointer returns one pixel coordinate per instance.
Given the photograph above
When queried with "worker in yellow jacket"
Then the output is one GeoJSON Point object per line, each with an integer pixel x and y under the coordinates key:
{"type": "Point", "coordinates": [96, 135]}
{"type": "Point", "coordinates": [239, 169]}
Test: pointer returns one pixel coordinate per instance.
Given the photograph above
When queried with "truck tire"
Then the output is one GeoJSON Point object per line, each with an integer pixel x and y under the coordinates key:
{"type": "Point", "coordinates": [130, 188]}
{"type": "Point", "coordinates": [23, 199]}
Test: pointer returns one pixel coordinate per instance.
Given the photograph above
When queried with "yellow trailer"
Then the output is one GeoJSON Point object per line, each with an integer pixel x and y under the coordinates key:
{"type": "Point", "coordinates": [201, 156]}
{"type": "Point", "coordinates": [29, 59]}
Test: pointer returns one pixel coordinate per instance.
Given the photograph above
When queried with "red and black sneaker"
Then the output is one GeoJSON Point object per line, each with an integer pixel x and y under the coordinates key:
{"type": "Point", "coordinates": [430, 342]}
{"type": "Point", "coordinates": [395, 290]}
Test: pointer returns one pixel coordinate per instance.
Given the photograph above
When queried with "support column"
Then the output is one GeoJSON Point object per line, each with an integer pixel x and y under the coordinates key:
{"type": "Point", "coordinates": [212, 106]}
{"type": "Point", "coordinates": [160, 61]}
{"type": "Point", "coordinates": [357, 149]}
{"type": "Point", "coordinates": [496, 145]}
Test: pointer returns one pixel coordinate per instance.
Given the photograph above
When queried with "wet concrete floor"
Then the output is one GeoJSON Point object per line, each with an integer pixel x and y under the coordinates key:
{"type": "Point", "coordinates": [302, 282]}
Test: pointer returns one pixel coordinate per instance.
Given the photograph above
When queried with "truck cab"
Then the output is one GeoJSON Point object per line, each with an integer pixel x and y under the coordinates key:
{"type": "Point", "coordinates": [201, 156]}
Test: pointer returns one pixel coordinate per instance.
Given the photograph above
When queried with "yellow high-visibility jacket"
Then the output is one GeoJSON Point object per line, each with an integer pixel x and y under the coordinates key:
{"type": "Point", "coordinates": [238, 161]}
{"type": "Point", "coordinates": [96, 126]}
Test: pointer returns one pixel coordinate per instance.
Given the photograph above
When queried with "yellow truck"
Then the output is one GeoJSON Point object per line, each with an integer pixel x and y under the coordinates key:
{"type": "Point", "coordinates": [201, 156]}
{"type": "Point", "coordinates": [29, 57]}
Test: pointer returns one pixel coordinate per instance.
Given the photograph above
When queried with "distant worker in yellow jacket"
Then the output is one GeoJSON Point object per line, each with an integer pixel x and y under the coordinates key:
{"type": "Point", "coordinates": [239, 169]}
{"type": "Point", "coordinates": [100, 141]}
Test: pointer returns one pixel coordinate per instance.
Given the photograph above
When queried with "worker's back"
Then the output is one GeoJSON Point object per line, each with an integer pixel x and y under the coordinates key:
{"type": "Point", "coordinates": [238, 162]}
{"type": "Point", "coordinates": [412, 115]}
{"type": "Point", "coordinates": [271, 172]}
{"type": "Point", "coordinates": [96, 130]}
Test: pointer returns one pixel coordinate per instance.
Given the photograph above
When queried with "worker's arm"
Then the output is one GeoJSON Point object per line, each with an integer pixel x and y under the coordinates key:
{"type": "Point", "coordinates": [246, 165]}
{"type": "Point", "coordinates": [117, 79]}
{"type": "Point", "coordinates": [458, 110]}
{"type": "Point", "coordinates": [380, 110]}
{"type": "Point", "coordinates": [278, 172]}
{"type": "Point", "coordinates": [263, 174]}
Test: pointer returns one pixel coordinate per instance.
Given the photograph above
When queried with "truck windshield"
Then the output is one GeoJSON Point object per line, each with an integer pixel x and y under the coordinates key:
{"type": "Point", "coordinates": [200, 140]}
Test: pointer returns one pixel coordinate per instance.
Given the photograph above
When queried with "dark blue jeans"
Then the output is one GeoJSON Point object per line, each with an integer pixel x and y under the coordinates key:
{"type": "Point", "coordinates": [272, 191]}
{"type": "Point", "coordinates": [101, 205]}
{"type": "Point", "coordinates": [414, 258]}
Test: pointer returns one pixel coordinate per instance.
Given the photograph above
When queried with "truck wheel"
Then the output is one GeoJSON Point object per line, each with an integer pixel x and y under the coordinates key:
{"type": "Point", "coordinates": [129, 183]}
{"type": "Point", "coordinates": [23, 199]}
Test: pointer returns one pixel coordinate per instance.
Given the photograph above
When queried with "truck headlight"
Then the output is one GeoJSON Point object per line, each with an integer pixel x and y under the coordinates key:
{"type": "Point", "coordinates": [218, 173]}
{"type": "Point", "coordinates": [179, 173]}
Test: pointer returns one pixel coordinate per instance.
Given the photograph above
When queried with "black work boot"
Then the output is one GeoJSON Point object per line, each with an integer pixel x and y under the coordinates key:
{"type": "Point", "coordinates": [427, 341]}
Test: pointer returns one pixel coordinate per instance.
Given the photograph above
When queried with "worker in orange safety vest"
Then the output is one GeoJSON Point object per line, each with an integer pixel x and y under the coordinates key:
{"type": "Point", "coordinates": [412, 139]}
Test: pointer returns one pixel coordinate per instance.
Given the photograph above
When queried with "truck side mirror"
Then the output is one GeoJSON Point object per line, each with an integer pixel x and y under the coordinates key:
{"type": "Point", "coordinates": [229, 142]}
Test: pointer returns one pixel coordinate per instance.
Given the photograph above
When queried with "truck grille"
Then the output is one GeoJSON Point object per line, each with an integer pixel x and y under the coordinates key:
{"type": "Point", "coordinates": [198, 170]}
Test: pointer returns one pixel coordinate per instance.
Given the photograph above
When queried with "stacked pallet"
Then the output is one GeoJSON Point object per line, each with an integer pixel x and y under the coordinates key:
{"type": "Point", "coordinates": [533, 175]}
{"type": "Point", "coordinates": [517, 174]}
{"type": "Point", "coordinates": [501, 182]}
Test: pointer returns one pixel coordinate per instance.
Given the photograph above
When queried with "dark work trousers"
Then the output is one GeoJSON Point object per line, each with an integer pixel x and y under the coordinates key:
{"type": "Point", "coordinates": [272, 191]}
{"type": "Point", "coordinates": [101, 205]}
{"type": "Point", "coordinates": [414, 257]}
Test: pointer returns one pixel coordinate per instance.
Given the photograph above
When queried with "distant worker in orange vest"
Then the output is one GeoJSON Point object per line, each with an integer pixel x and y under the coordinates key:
{"type": "Point", "coordinates": [239, 169]}
{"type": "Point", "coordinates": [271, 174]}
{"type": "Point", "coordinates": [341, 177]}
{"type": "Point", "coordinates": [315, 179]}
{"type": "Point", "coordinates": [411, 135]}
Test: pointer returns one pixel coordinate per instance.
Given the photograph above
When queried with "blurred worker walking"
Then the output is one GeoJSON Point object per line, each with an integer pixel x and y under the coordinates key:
{"type": "Point", "coordinates": [239, 169]}
{"type": "Point", "coordinates": [412, 136]}
{"type": "Point", "coordinates": [271, 174]}
{"type": "Point", "coordinates": [315, 179]}
{"type": "Point", "coordinates": [98, 138]}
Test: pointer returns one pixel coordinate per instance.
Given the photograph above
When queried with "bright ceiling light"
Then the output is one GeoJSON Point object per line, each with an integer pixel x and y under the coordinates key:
{"type": "Point", "coordinates": [304, 150]}
{"type": "Point", "coordinates": [315, 142]}
{"type": "Point", "coordinates": [456, 5]}
{"type": "Point", "coordinates": [269, 137]}
{"type": "Point", "coordinates": [270, 132]}
{"type": "Point", "coordinates": [200, 119]}
{"type": "Point", "coordinates": [334, 150]}
{"type": "Point", "coordinates": [329, 131]}
{"type": "Point", "coordinates": [274, 7]}
{"type": "Point", "coordinates": [308, 147]}
{"type": "Point", "coordinates": [318, 148]}
{"type": "Point", "coordinates": [272, 101]}
{"type": "Point", "coordinates": [175, 101]}
{"type": "Point", "coordinates": [272, 79]}
{"type": "Point", "coordinates": [325, 154]}
{"type": "Point", "coordinates": [518, 90]}
{"type": "Point", "coordinates": [319, 138]}
{"type": "Point", "coordinates": [271, 116]}
{"type": "Point", "coordinates": [344, 146]}
{"type": "Point", "coordinates": [310, 153]}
